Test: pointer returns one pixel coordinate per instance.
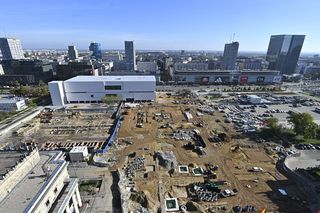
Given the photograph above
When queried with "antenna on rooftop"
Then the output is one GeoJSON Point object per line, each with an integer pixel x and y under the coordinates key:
{"type": "Point", "coordinates": [4, 32]}
{"type": "Point", "coordinates": [233, 37]}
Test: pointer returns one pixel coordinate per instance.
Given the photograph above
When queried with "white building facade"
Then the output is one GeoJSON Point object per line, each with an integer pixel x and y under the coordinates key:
{"type": "Point", "coordinates": [78, 153]}
{"type": "Point", "coordinates": [39, 182]}
{"type": "Point", "coordinates": [91, 89]}
{"type": "Point", "coordinates": [11, 48]}
{"type": "Point", "coordinates": [12, 104]}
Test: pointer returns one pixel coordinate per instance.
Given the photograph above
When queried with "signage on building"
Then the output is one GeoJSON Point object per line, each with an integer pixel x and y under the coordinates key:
{"type": "Point", "coordinates": [205, 80]}
{"type": "Point", "coordinates": [277, 79]}
{"type": "Point", "coordinates": [260, 79]}
{"type": "Point", "coordinates": [243, 79]}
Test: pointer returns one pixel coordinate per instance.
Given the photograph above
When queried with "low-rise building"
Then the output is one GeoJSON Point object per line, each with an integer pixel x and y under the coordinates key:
{"type": "Point", "coordinates": [147, 66]}
{"type": "Point", "coordinates": [12, 104]}
{"type": "Point", "coordinates": [91, 89]}
{"type": "Point", "coordinates": [78, 153]}
{"type": "Point", "coordinates": [227, 77]}
{"type": "Point", "coordinates": [37, 182]}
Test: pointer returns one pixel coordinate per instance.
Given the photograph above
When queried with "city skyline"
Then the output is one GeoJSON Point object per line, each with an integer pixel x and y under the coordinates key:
{"type": "Point", "coordinates": [171, 25]}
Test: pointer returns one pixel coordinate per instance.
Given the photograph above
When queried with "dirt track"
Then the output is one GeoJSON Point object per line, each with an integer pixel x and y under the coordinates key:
{"type": "Point", "coordinates": [258, 189]}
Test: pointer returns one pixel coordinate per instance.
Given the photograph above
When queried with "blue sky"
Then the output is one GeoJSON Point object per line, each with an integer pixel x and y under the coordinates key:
{"type": "Point", "coordinates": [159, 24]}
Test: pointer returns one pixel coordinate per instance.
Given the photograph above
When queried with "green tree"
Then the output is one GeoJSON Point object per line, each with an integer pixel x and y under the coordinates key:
{"type": "Point", "coordinates": [41, 83]}
{"type": "Point", "coordinates": [110, 99]}
{"type": "Point", "coordinates": [311, 131]}
{"type": "Point", "coordinates": [273, 126]}
{"type": "Point", "coordinates": [16, 83]}
{"type": "Point", "coordinates": [31, 103]}
{"type": "Point", "coordinates": [301, 121]}
{"type": "Point", "coordinates": [272, 123]}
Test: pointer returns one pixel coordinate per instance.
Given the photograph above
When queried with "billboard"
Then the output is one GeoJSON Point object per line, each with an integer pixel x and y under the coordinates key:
{"type": "Point", "coordinates": [205, 80]}
{"type": "Point", "coordinates": [244, 79]}
{"type": "Point", "coordinates": [260, 79]}
{"type": "Point", "coordinates": [277, 79]}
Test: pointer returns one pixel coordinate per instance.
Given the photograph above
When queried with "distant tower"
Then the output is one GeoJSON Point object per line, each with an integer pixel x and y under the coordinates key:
{"type": "Point", "coordinates": [95, 48]}
{"type": "Point", "coordinates": [72, 52]}
{"type": "Point", "coordinates": [230, 54]}
{"type": "Point", "coordinates": [130, 55]}
{"type": "Point", "coordinates": [283, 52]}
{"type": "Point", "coordinates": [11, 48]}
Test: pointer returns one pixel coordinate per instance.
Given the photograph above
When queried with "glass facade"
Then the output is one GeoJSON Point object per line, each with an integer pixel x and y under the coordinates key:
{"type": "Point", "coordinates": [283, 52]}
{"type": "Point", "coordinates": [130, 55]}
{"type": "Point", "coordinates": [112, 87]}
{"type": "Point", "coordinates": [95, 49]}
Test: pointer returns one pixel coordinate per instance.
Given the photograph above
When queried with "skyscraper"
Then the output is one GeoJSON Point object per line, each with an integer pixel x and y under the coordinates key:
{"type": "Point", "coordinates": [283, 52]}
{"type": "Point", "coordinates": [11, 48]}
{"type": "Point", "coordinates": [130, 55]}
{"type": "Point", "coordinates": [72, 52]}
{"type": "Point", "coordinates": [230, 54]}
{"type": "Point", "coordinates": [95, 48]}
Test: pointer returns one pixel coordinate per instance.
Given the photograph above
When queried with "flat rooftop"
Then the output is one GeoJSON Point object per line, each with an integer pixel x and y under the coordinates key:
{"type": "Point", "coordinates": [9, 100]}
{"type": "Point", "coordinates": [78, 149]}
{"type": "Point", "coordinates": [135, 78]}
{"type": "Point", "coordinates": [228, 71]}
{"type": "Point", "coordinates": [8, 159]}
{"type": "Point", "coordinates": [24, 192]}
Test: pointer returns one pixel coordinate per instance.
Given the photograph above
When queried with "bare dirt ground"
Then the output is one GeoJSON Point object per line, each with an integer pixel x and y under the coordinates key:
{"type": "Point", "coordinates": [258, 189]}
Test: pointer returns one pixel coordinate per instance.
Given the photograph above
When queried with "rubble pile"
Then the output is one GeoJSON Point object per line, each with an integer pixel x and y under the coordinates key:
{"type": "Point", "coordinates": [167, 159]}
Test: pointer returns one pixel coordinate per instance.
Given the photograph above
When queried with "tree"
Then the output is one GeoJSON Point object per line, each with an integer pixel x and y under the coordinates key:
{"type": "Point", "coordinates": [272, 123]}
{"type": "Point", "coordinates": [311, 131]}
{"type": "Point", "coordinates": [110, 99]}
{"type": "Point", "coordinates": [32, 103]}
{"type": "Point", "coordinates": [16, 83]}
{"type": "Point", "coordinates": [41, 83]}
{"type": "Point", "coordinates": [301, 121]}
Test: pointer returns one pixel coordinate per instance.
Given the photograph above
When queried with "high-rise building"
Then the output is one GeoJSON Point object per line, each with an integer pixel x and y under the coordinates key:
{"type": "Point", "coordinates": [130, 55]}
{"type": "Point", "coordinates": [230, 54]}
{"type": "Point", "coordinates": [95, 49]}
{"type": "Point", "coordinates": [11, 48]}
{"type": "Point", "coordinates": [72, 52]}
{"type": "Point", "coordinates": [283, 52]}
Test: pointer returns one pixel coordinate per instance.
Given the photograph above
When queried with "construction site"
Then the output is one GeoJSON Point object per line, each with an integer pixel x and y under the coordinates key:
{"type": "Point", "coordinates": [176, 154]}
{"type": "Point", "coordinates": [182, 158]}
{"type": "Point", "coordinates": [65, 129]}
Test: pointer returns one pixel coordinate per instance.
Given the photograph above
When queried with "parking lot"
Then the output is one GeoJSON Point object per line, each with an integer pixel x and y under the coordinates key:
{"type": "Point", "coordinates": [306, 159]}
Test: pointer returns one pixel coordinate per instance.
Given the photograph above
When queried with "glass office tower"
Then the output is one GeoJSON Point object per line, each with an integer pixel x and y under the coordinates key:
{"type": "Point", "coordinates": [95, 49]}
{"type": "Point", "coordinates": [130, 55]}
{"type": "Point", "coordinates": [230, 54]}
{"type": "Point", "coordinates": [11, 48]}
{"type": "Point", "coordinates": [283, 52]}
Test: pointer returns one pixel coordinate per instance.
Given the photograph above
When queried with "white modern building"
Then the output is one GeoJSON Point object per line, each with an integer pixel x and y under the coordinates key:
{"type": "Point", "coordinates": [37, 182]}
{"type": "Point", "coordinates": [11, 48]}
{"type": "Point", "coordinates": [78, 153]}
{"type": "Point", "coordinates": [1, 70]}
{"type": "Point", "coordinates": [12, 104]}
{"type": "Point", "coordinates": [91, 89]}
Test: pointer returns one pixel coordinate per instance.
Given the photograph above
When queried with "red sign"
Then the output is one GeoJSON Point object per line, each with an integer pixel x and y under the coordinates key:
{"type": "Point", "coordinates": [243, 79]}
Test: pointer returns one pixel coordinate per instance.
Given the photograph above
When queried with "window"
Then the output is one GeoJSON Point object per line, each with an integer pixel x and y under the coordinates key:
{"type": "Point", "coordinates": [112, 87]}
{"type": "Point", "coordinates": [92, 96]}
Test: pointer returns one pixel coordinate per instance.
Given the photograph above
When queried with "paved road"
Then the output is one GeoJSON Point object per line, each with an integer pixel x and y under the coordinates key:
{"type": "Point", "coordinates": [308, 158]}
{"type": "Point", "coordinates": [18, 119]}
